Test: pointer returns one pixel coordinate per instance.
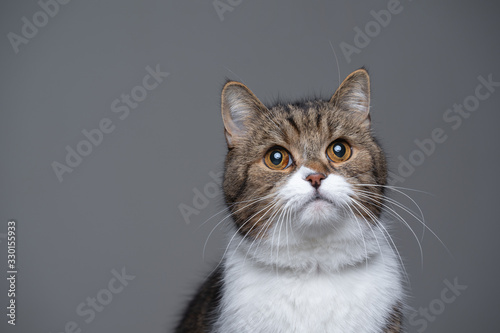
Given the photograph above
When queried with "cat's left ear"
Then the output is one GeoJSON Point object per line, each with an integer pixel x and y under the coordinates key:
{"type": "Point", "coordinates": [353, 95]}
{"type": "Point", "coordinates": [238, 106]}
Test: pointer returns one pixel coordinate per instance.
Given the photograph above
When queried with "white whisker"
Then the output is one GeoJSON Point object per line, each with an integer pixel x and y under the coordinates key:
{"type": "Point", "coordinates": [397, 216]}
{"type": "Point", "coordinates": [254, 201]}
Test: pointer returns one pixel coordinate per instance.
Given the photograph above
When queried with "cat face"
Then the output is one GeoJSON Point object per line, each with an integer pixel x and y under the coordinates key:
{"type": "Point", "coordinates": [313, 163]}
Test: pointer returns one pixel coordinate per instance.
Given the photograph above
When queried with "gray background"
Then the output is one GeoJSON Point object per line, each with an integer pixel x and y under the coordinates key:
{"type": "Point", "coordinates": [120, 206]}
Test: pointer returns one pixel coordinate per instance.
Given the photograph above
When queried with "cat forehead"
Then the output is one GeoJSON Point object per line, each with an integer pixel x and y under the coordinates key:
{"type": "Point", "coordinates": [310, 116]}
{"type": "Point", "coordinates": [304, 108]}
{"type": "Point", "coordinates": [308, 123]}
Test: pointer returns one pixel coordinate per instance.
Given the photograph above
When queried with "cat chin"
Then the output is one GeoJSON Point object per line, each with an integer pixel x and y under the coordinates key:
{"type": "Point", "coordinates": [320, 213]}
{"type": "Point", "coordinates": [317, 219]}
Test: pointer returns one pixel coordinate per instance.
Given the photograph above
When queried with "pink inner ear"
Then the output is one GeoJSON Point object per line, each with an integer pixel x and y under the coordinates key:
{"type": "Point", "coordinates": [354, 93]}
{"type": "Point", "coordinates": [238, 106]}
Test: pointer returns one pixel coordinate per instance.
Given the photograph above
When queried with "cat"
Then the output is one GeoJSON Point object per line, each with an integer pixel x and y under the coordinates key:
{"type": "Point", "coordinates": [308, 249]}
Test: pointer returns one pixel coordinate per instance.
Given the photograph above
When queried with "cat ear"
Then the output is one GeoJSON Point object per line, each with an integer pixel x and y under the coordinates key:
{"type": "Point", "coordinates": [238, 105]}
{"type": "Point", "coordinates": [354, 95]}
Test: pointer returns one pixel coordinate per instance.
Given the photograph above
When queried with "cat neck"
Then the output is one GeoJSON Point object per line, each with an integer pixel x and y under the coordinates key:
{"type": "Point", "coordinates": [333, 250]}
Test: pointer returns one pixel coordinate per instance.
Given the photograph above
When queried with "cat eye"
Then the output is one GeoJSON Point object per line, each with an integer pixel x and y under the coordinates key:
{"type": "Point", "coordinates": [277, 158]}
{"type": "Point", "coordinates": [338, 151]}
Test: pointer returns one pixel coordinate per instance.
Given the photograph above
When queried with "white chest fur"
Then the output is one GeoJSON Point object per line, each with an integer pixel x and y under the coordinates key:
{"type": "Point", "coordinates": [257, 298]}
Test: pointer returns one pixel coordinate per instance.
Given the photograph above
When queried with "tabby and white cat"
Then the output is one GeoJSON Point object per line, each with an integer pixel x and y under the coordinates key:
{"type": "Point", "coordinates": [309, 251]}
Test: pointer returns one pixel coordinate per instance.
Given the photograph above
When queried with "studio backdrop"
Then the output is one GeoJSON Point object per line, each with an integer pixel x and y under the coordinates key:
{"type": "Point", "coordinates": [112, 147]}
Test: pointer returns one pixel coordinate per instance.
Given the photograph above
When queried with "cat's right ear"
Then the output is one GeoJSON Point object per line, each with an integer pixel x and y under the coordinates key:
{"type": "Point", "coordinates": [238, 106]}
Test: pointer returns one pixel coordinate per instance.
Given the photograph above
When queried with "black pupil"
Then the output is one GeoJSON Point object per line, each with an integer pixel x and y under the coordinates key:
{"type": "Point", "coordinates": [339, 150]}
{"type": "Point", "coordinates": [276, 157]}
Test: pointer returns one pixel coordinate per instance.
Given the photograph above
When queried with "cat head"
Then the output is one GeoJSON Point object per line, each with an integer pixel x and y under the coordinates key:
{"type": "Point", "coordinates": [313, 163]}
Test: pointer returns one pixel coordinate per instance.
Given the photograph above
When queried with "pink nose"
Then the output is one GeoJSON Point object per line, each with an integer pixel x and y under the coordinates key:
{"type": "Point", "coordinates": [315, 179]}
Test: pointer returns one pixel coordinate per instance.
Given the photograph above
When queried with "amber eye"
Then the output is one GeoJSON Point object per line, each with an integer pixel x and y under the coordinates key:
{"type": "Point", "coordinates": [277, 158]}
{"type": "Point", "coordinates": [338, 151]}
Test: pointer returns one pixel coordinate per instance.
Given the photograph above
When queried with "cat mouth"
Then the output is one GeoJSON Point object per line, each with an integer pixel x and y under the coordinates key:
{"type": "Point", "coordinates": [317, 202]}
{"type": "Point", "coordinates": [317, 198]}
{"type": "Point", "coordinates": [318, 208]}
